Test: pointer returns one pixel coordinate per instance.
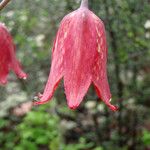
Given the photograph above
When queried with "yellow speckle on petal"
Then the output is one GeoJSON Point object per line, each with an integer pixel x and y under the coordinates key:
{"type": "Point", "coordinates": [65, 35]}
{"type": "Point", "coordinates": [99, 35]}
{"type": "Point", "coordinates": [97, 40]}
{"type": "Point", "coordinates": [99, 48]}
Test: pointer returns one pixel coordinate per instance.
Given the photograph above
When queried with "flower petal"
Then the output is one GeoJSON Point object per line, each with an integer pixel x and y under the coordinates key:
{"type": "Point", "coordinates": [56, 72]}
{"type": "Point", "coordinates": [79, 57]}
{"type": "Point", "coordinates": [99, 69]}
{"type": "Point", "coordinates": [76, 85]}
{"type": "Point", "coordinates": [4, 62]}
{"type": "Point", "coordinates": [3, 76]}
{"type": "Point", "coordinates": [16, 67]}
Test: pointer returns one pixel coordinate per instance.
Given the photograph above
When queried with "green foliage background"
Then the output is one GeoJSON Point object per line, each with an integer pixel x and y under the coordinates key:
{"type": "Point", "coordinates": [33, 25]}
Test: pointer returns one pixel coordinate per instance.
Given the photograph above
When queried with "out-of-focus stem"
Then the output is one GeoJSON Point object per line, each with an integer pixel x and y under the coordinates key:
{"type": "Point", "coordinates": [84, 3]}
{"type": "Point", "coordinates": [4, 3]}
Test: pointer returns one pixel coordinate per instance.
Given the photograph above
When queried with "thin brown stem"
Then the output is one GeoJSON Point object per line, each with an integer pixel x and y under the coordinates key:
{"type": "Point", "coordinates": [3, 4]}
{"type": "Point", "coordinates": [84, 3]}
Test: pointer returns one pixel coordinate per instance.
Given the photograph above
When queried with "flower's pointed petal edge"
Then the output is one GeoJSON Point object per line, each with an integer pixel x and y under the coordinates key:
{"type": "Point", "coordinates": [107, 102]}
{"type": "Point", "coordinates": [57, 71]}
{"type": "Point", "coordinates": [99, 75]}
{"type": "Point", "coordinates": [16, 67]}
{"type": "Point", "coordinates": [75, 94]}
{"type": "Point", "coordinates": [42, 96]}
{"type": "Point", "coordinates": [3, 78]}
{"type": "Point", "coordinates": [55, 75]}
{"type": "Point", "coordinates": [78, 58]}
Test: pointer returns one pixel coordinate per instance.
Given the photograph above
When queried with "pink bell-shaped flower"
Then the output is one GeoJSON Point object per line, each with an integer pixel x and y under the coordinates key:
{"type": "Point", "coordinates": [79, 56]}
{"type": "Point", "coordinates": [8, 59]}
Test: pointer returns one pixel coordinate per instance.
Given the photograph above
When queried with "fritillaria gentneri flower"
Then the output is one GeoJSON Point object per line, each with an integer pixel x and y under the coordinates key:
{"type": "Point", "coordinates": [79, 56]}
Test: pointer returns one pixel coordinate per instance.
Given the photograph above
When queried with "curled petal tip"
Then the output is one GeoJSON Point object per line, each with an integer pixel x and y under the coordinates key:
{"type": "Point", "coordinates": [4, 82]}
{"type": "Point", "coordinates": [73, 106]}
{"type": "Point", "coordinates": [24, 78]}
{"type": "Point", "coordinates": [37, 99]}
{"type": "Point", "coordinates": [40, 102]}
{"type": "Point", "coordinates": [112, 107]}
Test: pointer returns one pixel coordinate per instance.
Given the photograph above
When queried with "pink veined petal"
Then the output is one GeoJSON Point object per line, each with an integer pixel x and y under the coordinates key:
{"type": "Point", "coordinates": [8, 59]}
{"type": "Point", "coordinates": [55, 75]}
{"type": "Point", "coordinates": [99, 69]}
{"type": "Point", "coordinates": [56, 72]}
{"type": "Point", "coordinates": [78, 59]}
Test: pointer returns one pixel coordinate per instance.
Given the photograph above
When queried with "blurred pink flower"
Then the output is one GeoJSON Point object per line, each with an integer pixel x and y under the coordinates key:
{"type": "Point", "coordinates": [79, 56]}
{"type": "Point", "coordinates": [22, 109]}
{"type": "Point", "coordinates": [8, 59]}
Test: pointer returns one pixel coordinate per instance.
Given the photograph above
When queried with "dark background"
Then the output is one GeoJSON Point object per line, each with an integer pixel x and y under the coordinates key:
{"type": "Point", "coordinates": [33, 25]}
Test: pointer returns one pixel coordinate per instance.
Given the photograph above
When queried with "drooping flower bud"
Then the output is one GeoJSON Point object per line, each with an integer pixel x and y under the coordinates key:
{"type": "Point", "coordinates": [79, 56]}
{"type": "Point", "coordinates": [8, 59]}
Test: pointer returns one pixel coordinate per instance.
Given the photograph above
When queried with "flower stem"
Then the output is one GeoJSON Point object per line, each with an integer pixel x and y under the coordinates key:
{"type": "Point", "coordinates": [84, 3]}
{"type": "Point", "coordinates": [3, 4]}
